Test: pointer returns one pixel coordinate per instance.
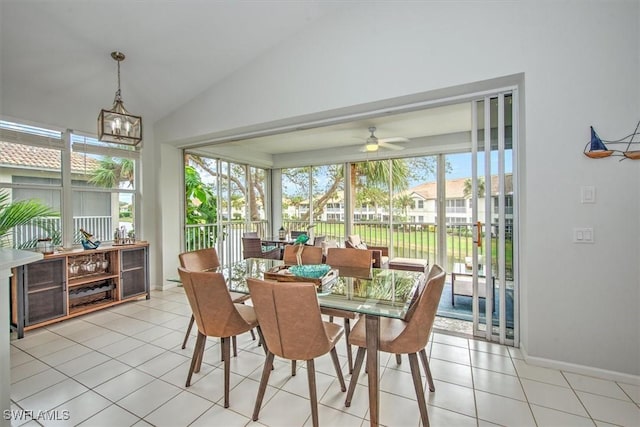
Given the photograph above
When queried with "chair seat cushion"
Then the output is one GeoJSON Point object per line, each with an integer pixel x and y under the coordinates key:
{"type": "Point", "coordinates": [390, 329]}
{"type": "Point", "coordinates": [336, 312]}
{"type": "Point", "coordinates": [239, 297]}
{"type": "Point", "coordinates": [334, 331]}
{"type": "Point", "coordinates": [248, 314]}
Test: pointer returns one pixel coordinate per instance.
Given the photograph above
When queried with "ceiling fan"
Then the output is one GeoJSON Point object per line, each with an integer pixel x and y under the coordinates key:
{"type": "Point", "coordinates": [374, 143]}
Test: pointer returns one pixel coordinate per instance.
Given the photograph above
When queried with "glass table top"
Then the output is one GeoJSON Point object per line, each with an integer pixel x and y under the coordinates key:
{"type": "Point", "coordinates": [379, 292]}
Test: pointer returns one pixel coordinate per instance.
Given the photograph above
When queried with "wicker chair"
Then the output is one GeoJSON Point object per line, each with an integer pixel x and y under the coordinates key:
{"type": "Point", "coordinates": [296, 234]}
{"type": "Point", "coordinates": [292, 328]}
{"type": "Point", "coordinates": [252, 248]}
{"type": "Point", "coordinates": [409, 336]}
{"type": "Point", "coordinates": [380, 253]}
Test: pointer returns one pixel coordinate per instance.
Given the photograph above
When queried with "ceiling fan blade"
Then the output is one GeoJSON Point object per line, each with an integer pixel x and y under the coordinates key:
{"type": "Point", "coordinates": [394, 139]}
{"type": "Point", "coordinates": [389, 146]}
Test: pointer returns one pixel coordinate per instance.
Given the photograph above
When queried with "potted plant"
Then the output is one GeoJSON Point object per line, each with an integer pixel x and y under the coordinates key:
{"type": "Point", "coordinates": [18, 213]}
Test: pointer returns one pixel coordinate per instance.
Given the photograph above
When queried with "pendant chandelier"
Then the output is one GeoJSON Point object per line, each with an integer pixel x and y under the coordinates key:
{"type": "Point", "coordinates": [117, 125]}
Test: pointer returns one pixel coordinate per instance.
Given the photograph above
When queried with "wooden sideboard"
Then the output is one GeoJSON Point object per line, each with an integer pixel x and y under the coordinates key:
{"type": "Point", "coordinates": [71, 283]}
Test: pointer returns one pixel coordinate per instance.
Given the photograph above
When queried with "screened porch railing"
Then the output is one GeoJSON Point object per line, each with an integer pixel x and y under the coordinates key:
{"type": "Point", "coordinates": [27, 234]}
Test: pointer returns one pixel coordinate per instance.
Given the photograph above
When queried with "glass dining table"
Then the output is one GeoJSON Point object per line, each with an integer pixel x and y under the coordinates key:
{"type": "Point", "coordinates": [373, 293]}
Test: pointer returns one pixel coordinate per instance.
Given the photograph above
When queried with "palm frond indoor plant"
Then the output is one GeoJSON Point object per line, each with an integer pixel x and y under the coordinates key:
{"type": "Point", "coordinates": [17, 213]}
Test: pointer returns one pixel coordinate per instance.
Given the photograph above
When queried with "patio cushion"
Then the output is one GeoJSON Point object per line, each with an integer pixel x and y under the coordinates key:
{"type": "Point", "coordinates": [328, 244]}
{"type": "Point", "coordinates": [411, 264]}
{"type": "Point", "coordinates": [356, 242]}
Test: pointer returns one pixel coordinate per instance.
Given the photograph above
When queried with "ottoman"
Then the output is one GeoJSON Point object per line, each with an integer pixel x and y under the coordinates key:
{"type": "Point", "coordinates": [409, 264]}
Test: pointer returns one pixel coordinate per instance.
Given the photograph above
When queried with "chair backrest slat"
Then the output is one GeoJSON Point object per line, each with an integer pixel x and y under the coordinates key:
{"type": "Point", "coordinates": [200, 260]}
{"type": "Point", "coordinates": [419, 320]}
{"type": "Point", "coordinates": [290, 319]}
{"type": "Point", "coordinates": [310, 254]}
{"type": "Point", "coordinates": [210, 301]}
{"type": "Point", "coordinates": [349, 257]}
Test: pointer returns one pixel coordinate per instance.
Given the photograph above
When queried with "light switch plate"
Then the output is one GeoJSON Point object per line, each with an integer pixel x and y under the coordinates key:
{"type": "Point", "coordinates": [588, 194]}
{"type": "Point", "coordinates": [583, 235]}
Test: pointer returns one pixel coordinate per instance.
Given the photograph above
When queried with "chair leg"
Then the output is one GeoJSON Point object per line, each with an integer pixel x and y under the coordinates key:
{"type": "Point", "coordinates": [398, 359]}
{"type": "Point", "coordinates": [186, 336]}
{"type": "Point", "coordinates": [200, 354]}
{"type": "Point", "coordinates": [417, 384]}
{"type": "Point", "coordinates": [235, 346]}
{"type": "Point", "coordinates": [313, 394]}
{"type": "Point", "coordinates": [261, 341]}
{"type": "Point", "coordinates": [427, 369]}
{"type": "Point", "coordinates": [194, 359]}
{"type": "Point", "coordinates": [354, 377]}
{"type": "Point", "coordinates": [226, 350]}
{"type": "Point", "coordinates": [253, 335]}
{"type": "Point", "coordinates": [266, 371]}
{"type": "Point", "coordinates": [293, 368]}
{"type": "Point", "coordinates": [336, 364]}
{"type": "Point", "coordinates": [347, 331]}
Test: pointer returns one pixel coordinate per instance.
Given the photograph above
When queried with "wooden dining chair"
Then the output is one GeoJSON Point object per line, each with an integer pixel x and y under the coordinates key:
{"type": "Point", "coordinates": [310, 255]}
{"type": "Point", "coordinates": [207, 260]}
{"type": "Point", "coordinates": [291, 327]}
{"type": "Point", "coordinates": [252, 248]}
{"type": "Point", "coordinates": [409, 336]}
{"type": "Point", "coordinates": [351, 259]}
{"type": "Point", "coordinates": [216, 316]}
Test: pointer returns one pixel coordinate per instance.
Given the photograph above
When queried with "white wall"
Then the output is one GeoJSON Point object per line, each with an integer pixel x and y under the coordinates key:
{"type": "Point", "coordinates": [580, 62]}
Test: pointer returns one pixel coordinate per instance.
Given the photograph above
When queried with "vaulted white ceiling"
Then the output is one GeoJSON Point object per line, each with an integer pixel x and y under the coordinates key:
{"type": "Point", "coordinates": [56, 68]}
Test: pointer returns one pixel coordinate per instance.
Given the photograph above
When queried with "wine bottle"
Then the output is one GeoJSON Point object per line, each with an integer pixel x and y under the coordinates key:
{"type": "Point", "coordinates": [87, 236]}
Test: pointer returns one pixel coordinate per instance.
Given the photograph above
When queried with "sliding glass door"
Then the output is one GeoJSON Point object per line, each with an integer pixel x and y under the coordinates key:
{"type": "Point", "coordinates": [492, 265]}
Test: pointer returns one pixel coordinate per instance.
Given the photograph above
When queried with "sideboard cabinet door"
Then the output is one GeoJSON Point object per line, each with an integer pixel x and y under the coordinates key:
{"type": "Point", "coordinates": [134, 279]}
{"type": "Point", "coordinates": [44, 287]}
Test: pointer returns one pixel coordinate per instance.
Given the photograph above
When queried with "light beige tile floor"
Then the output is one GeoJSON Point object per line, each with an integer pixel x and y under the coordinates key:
{"type": "Point", "coordinates": [124, 366]}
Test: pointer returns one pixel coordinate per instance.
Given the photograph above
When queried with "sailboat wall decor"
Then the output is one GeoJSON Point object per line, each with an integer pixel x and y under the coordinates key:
{"type": "Point", "coordinates": [596, 148]}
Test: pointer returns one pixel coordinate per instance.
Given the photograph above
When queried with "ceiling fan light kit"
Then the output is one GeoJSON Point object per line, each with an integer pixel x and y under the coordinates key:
{"type": "Point", "coordinates": [374, 143]}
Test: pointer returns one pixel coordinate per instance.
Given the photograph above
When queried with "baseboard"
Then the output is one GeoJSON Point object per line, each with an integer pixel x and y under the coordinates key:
{"type": "Point", "coordinates": [580, 369]}
{"type": "Point", "coordinates": [166, 285]}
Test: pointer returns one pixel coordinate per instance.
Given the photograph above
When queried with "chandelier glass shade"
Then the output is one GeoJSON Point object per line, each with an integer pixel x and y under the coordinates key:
{"type": "Point", "coordinates": [116, 125]}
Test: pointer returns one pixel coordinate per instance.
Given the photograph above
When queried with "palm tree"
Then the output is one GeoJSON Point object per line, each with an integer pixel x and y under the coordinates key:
{"type": "Point", "coordinates": [17, 213]}
{"type": "Point", "coordinates": [466, 191]}
{"type": "Point", "coordinates": [296, 201]}
{"type": "Point", "coordinates": [112, 172]}
{"type": "Point", "coordinates": [404, 201]}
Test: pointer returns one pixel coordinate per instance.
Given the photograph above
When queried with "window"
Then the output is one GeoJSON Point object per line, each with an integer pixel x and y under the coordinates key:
{"type": "Point", "coordinates": [104, 187]}
{"type": "Point", "coordinates": [31, 169]}
{"type": "Point", "coordinates": [98, 179]}
{"type": "Point", "coordinates": [225, 199]}
{"type": "Point", "coordinates": [456, 205]}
